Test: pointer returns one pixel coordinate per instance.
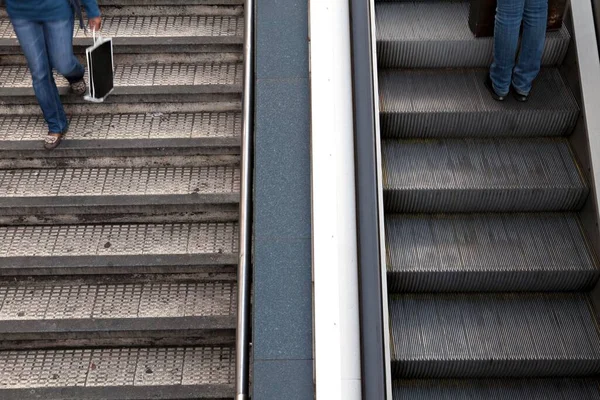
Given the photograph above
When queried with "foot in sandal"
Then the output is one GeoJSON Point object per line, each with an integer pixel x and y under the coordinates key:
{"type": "Point", "coordinates": [52, 140]}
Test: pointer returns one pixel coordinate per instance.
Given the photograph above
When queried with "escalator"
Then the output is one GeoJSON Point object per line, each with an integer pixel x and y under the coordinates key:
{"type": "Point", "coordinates": [489, 262]}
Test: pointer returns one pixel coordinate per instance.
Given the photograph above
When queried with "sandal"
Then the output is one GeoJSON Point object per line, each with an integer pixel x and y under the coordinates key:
{"type": "Point", "coordinates": [52, 140]}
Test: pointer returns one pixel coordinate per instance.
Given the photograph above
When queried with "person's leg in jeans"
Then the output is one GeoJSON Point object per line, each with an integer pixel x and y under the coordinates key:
{"type": "Point", "coordinates": [509, 14]}
{"type": "Point", "coordinates": [33, 43]}
{"type": "Point", "coordinates": [535, 18]}
{"type": "Point", "coordinates": [59, 42]}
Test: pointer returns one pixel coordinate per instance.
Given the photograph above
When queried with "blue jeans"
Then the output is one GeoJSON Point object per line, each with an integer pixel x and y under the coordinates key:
{"type": "Point", "coordinates": [49, 45]}
{"type": "Point", "coordinates": [509, 16]}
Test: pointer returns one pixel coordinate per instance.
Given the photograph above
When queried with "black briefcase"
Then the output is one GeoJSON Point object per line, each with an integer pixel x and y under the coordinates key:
{"type": "Point", "coordinates": [483, 12]}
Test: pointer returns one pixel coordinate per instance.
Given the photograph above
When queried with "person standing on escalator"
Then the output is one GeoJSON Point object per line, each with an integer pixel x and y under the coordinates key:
{"type": "Point", "coordinates": [505, 76]}
{"type": "Point", "coordinates": [45, 32]}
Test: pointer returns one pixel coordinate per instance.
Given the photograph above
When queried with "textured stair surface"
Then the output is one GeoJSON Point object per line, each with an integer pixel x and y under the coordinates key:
{"type": "Point", "coordinates": [118, 373]}
{"type": "Point", "coordinates": [437, 35]}
{"type": "Point", "coordinates": [71, 249]}
{"type": "Point", "coordinates": [517, 389]}
{"type": "Point", "coordinates": [494, 335]}
{"type": "Point", "coordinates": [493, 252]}
{"type": "Point", "coordinates": [481, 175]}
{"type": "Point", "coordinates": [455, 103]}
{"type": "Point", "coordinates": [155, 78]}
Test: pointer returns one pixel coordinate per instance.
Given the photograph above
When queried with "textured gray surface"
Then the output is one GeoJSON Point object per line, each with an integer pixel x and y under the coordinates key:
{"type": "Point", "coordinates": [494, 252]}
{"type": "Point", "coordinates": [455, 103]}
{"type": "Point", "coordinates": [437, 35]}
{"type": "Point", "coordinates": [517, 389]}
{"type": "Point", "coordinates": [481, 175]}
{"type": "Point", "coordinates": [512, 335]}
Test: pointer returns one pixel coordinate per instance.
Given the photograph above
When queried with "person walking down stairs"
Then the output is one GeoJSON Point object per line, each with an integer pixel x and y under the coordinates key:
{"type": "Point", "coordinates": [45, 32]}
{"type": "Point", "coordinates": [504, 75]}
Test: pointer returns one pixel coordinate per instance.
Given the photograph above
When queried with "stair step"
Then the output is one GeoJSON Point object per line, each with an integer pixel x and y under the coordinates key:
{"type": "Point", "coordinates": [476, 253]}
{"type": "Point", "coordinates": [131, 134]}
{"type": "Point", "coordinates": [143, 30]}
{"type": "Point", "coordinates": [455, 103]}
{"type": "Point", "coordinates": [508, 389]}
{"type": "Point", "coordinates": [137, 310]}
{"type": "Point", "coordinates": [143, 79]}
{"type": "Point", "coordinates": [493, 335]}
{"type": "Point", "coordinates": [118, 373]}
{"type": "Point", "coordinates": [117, 190]}
{"type": "Point", "coordinates": [462, 175]}
{"type": "Point", "coordinates": [437, 35]}
{"type": "Point", "coordinates": [119, 249]}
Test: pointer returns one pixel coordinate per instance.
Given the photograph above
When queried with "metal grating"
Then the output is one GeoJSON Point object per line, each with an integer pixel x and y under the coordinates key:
{"type": "Point", "coordinates": [481, 175]}
{"type": "Point", "coordinates": [511, 335]}
{"type": "Point", "coordinates": [155, 74]}
{"type": "Point", "coordinates": [534, 252]}
{"type": "Point", "coordinates": [117, 367]}
{"type": "Point", "coordinates": [437, 35]}
{"type": "Point", "coordinates": [132, 239]}
{"type": "Point", "coordinates": [156, 26]}
{"type": "Point", "coordinates": [155, 125]}
{"type": "Point", "coordinates": [133, 300]}
{"type": "Point", "coordinates": [455, 103]}
{"type": "Point", "coordinates": [119, 181]}
{"type": "Point", "coordinates": [508, 389]}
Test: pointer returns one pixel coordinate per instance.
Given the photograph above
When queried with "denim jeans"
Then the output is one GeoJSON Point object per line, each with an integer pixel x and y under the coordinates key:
{"type": "Point", "coordinates": [49, 45]}
{"type": "Point", "coordinates": [509, 16]}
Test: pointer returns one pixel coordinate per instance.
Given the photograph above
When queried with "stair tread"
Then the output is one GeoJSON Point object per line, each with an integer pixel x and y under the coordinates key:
{"type": "Point", "coordinates": [15, 80]}
{"type": "Point", "coordinates": [155, 29]}
{"type": "Point", "coordinates": [449, 334]}
{"type": "Point", "coordinates": [506, 389]}
{"type": "Point", "coordinates": [93, 368]}
{"type": "Point", "coordinates": [470, 252]}
{"type": "Point", "coordinates": [481, 175]}
{"type": "Point", "coordinates": [437, 103]}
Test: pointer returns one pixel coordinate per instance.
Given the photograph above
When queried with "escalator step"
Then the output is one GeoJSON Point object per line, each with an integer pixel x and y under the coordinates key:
{"type": "Point", "coordinates": [455, 103]}
{"type": "Point", "coordinates": [481, 176]}
{"type": "Point", "coordinates": [492, 252]}
{"type": "Point", "coordinates": [437, 35]}
{"type": "Point", "coordinates": [509, 389]}
{"type": "Point", "coordinates": [493, 335]}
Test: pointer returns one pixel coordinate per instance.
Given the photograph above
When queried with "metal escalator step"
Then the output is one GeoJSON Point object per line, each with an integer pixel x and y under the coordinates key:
{"type": "Point", "coordinates": [437, 35]}
{"type": "Point", "coordinates": [155, 30]}
{"type": "Point", "coordinates": [120, 249]}
{"type": "Point", "coordinates": [492, 252]}
{"type": "Point", "coordinates": [90, 134]}
{"type": "Point", "coordinates": [455, 103]}
{"type": "Point", "coordinates": [142, 79]}
{"type": "Point", "coordinates": [493, 335]}
{"type": "Point", "coordinates": [136, 309]}
{"type": "Point", "coordinates": [118, 189]}
{"type": "Point", "coordinates": [481, 175]}
{"type": "Point", "coordinates": [508, 389]}
{"type": "Point", "coordinates": [118, 373]}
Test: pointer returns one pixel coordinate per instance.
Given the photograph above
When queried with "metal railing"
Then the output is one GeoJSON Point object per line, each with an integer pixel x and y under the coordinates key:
{"type": "Point", "coordinates": [245, 245]}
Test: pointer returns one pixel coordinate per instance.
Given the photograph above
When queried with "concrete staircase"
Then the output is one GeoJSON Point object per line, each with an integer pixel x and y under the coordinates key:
{"type": "Point", "coordinates": [118, 250]}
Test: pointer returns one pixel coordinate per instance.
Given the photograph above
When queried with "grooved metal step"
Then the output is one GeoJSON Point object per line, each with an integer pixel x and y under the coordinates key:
{"type": "Point", "coordinates": [495, 335]}
{"type": "Point", "coordinates": [480, 176]}
{"type": "Point", "coordinates": [143, 79]}
{"type": "Point", "coordinates": [154, 30]}
{"type": "Point", "coordinates": [476, 253]}
{"type": "Point", "coordinates": [510, 389]}
{"type": "Point", "coordinates": [121, 249]}
{"type": "Point", "coordinates": [437, 35]}
{"type": "Point", "coordinates": [139, 309]}
{"type": "Point", "coordinates": [118, 373]}
{"type": "Point", "coordinates": [91, 134]}
{"type": "Point", "coordinates": [455, 103]}
{"type": "Point", "coordinates": [125, 189]}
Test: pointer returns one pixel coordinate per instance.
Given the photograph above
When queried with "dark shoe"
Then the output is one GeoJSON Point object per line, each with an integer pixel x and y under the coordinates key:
{"type": "Point", "coordinates": [490, 87]}
{"type": "Point", "coordinates": [79, 88]}
{"type": "Point", "coordinates": [53, 140]}
{"type": "Point", "coordinates": [518, 96]}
